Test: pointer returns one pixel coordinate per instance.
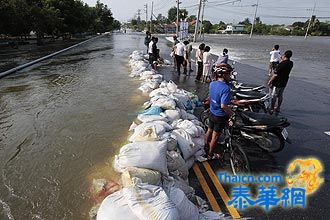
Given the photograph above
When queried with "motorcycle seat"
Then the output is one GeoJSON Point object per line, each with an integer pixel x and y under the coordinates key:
{"type": "Point", "coordinates": [249, 95]}
{"type": "Point", "coordinates": [253, 118]}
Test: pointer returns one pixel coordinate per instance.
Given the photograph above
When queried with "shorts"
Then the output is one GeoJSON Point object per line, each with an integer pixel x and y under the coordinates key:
{"type": "Point", "coordinates": [217, 123]}
{"type": "Point", "coordinates": [273, 65]}
{"type": "Point", "coordinates": [277, 92]}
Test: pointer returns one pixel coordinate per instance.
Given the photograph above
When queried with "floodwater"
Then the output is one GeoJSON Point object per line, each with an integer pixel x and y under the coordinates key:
{"type": "Point", "coordinates": [60, 125]}
{"type": "Point", "coordinates": [310, 56]}
{"type": "Point", "coordinates": [62, 122]}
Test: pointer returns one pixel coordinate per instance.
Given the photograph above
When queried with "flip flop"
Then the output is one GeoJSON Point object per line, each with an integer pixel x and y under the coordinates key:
{"type": "Point", "coordinates": [214, 156]}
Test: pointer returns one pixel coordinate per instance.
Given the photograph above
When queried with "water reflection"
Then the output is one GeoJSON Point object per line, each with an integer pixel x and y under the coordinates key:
{"type": "Point", "coordinates": [60, 124]}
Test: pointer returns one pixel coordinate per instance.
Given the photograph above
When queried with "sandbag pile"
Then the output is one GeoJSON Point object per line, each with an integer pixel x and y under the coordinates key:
{"type": "Point", "coordinates": [165, 140]}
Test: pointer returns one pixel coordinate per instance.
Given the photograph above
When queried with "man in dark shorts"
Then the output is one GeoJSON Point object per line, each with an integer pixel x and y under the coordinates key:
{"type": "Point", "coordinates": [279, 81]}
{"type": "Point", "coordinates": [219, 109]}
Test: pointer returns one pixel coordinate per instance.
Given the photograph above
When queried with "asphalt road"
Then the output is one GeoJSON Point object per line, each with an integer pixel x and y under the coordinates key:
{"type": "Point", "coordinates": [306, 105]}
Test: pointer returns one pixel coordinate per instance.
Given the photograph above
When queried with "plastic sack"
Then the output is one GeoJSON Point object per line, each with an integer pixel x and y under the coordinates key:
{"type": "Point", "coordinates": [187, 210]}
{"type": "Point", "coordinates": [144, 154]}
{"type": "Point", "coordinates": [116, 207]}
{"type": "Point", "coordinates": [186, 146]}
{"type": "Point", "coordinates": [172, 87]}
{"type": "Point", "coordinates": [176, 163]}
{"type": "Point", "coordinates": [153, 110]}
{"type": "Point", "coordinates": [150, 202]}
{"type": "Point", "coordinates": [150, 118]}
{"type": "Point", "coordinates": [163, 102]}
{"type": "Point", "coordinates": [172, 115]}
{"type": "Point", "coordinates": [147, 176]}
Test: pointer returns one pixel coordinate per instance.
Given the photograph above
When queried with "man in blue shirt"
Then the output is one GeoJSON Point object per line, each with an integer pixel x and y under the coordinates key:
{"type": "Point", "coordinates": [219, 109]}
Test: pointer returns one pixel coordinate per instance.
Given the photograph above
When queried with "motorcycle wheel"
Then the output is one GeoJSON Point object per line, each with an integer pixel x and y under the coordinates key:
{"type": "Point", "coordinates": [239, 162]}
{"type": "Point", "coordinates": [271, 142]}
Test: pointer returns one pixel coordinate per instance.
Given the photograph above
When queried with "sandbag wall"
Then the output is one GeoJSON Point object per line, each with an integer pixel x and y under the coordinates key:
{"type": "Point", "coordinates": [166, 139]}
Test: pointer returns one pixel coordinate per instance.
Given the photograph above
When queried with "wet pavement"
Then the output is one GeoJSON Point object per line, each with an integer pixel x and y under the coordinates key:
{"type": "Point", "coordinates": [306, 106]}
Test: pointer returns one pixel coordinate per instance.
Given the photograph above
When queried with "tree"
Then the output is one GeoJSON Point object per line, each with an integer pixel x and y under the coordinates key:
{"type": "Point", "coordinates": [207, 25]}
{"type": "Point", "coordinates": [183, 13]}
{"type": "Point", "coordinates": [245, 22]}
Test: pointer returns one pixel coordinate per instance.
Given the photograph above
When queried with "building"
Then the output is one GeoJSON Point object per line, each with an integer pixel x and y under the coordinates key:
{"type": "Point", "coordinates": [234, 29]}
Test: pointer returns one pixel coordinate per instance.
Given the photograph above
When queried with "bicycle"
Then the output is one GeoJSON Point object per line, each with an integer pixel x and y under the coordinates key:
{"type": "Point", "coordinates": [238, 160]}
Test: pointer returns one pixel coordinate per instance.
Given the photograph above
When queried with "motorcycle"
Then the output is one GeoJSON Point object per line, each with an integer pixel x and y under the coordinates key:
{"type": "Point", "coordinates": [268, 132]}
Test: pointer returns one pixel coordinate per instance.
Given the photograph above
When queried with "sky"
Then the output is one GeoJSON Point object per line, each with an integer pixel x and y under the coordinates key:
{"type": "Point", "coordinates": [228, 11]}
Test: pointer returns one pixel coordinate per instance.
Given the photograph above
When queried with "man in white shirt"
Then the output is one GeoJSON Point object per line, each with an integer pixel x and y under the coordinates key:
{"type": "Point", "coordinates": [179, 56]}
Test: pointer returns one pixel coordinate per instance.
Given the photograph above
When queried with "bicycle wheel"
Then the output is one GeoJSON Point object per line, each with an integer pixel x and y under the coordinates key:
{"type": "Point", "coordinates": [271, 142]}
{"type": "Point", "coordinates": [239, 162]}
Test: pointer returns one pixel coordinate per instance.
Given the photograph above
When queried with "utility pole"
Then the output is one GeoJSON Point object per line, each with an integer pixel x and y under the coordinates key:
{"type": "Point", "coordinates": [146, 11]}
{"type": "Point", "coordinates": [254, 19]}
{"type": "Point", "coordinates": [201, 27]}
{"type": "Point", "coordinates": [310, 20]}
{"type": "Point", "coordinates": [177, 17]}
{"type": "Point", "coordinates": [152, 11]}
{"type": "Point", "coordinates": [197, 21]}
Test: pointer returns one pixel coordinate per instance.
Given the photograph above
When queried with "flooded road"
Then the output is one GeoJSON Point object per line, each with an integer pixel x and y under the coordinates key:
{"type": "Point", "coordinates": [60, 124]}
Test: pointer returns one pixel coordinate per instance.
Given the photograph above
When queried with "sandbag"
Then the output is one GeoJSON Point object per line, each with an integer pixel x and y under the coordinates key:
{"type": "Point", "coordinates": [176, 163]}
{"type": "Point", "coordinates": [147, 176]}
{"type": "Point", "coordinates": [187, 210]}
{"type": "Point", "coordinates": [190, 162]}
{"type": "Point", "coordinates": [149, 118]}
{"type": "Point", "coordinates": [149, 131]}
{"type": "Point", "coordinates": [116, 207]}
{"type": "Point", "coordinates": [150, 202]}
{"type": "Point", "coordinates": [185, 144]}
{"type": "Point", "coordinates": [163, 102]}
{"type": "Point", "coordinates": [144, 154]}
{"type": "Point", "coordinates": [172, 115]}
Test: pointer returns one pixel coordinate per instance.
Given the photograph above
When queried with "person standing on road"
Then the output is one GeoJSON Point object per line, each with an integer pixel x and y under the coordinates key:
{"type": "Point", "coordinates": [147, 40]}
{"type": "Point", "coordinates": [219, 109]}
{"type": "Point", "coordinates": [275, 56]}
{"type": "Point", "coordinates": [223, 58]}
{"type": "Point", "coordinates": [207, 64]}
{"type": "Point", "coordinates": [199, 60]}
{"type": "Point", "coordinates": [175, 42]}
{"type": "Point", "coordinates": [279, 81]}
{"type": "Point", "coordinates": [179, 56]}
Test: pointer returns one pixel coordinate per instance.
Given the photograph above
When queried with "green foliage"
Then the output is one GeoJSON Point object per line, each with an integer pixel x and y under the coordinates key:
{"type": "Point", "coordinates": [207, 25]}
{"type": "Point", "coordinates": [171, 14]}
{"type": "Point", "coordinates": [54, 17]}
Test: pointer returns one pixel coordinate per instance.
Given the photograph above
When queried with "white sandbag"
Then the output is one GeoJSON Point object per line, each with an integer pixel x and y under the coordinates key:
{"type": "Point", "coordinates": [178, 182]}
{"type": "Point", "coordinates": [145, 89]}
{"type": "Point", "coordinates": [144, 154]}
{"type": "Point", "coordinates": [190, 162]}
{"type": "Point", "coordinates": [187, 210]}
{"type": "Point", "coordinates": [176, 163]}
{"type": "Point", "coordinates": [147, 176]}
{"type": "Point", "coordinates": [197, 122]}
{"type": "Point", "coordinates": [115, 206]}
{"type": "Point", "coordinates": [150, 202]}
{"type": "Point", "coordinates": [199, 141]}
{"type": "Point", "coordinates": [163, 84]}
{"type": "Point", "coordinates": [163, 102]}
{"type": "Point", "coordinates": [190, 127]}
{"type": "Point", "coordinates": [172, 115]}
{"type": "Point", "coordinates": [146, 133]}
{"type": "Point", "coordinates": [171, 141]}
{"type": "Point", "coordinates": [132, 126]}
{"type": "Point", "coordinates": [172, 87]}
{"type": "Point", "coordinates": [185, 144]}
{"type": "Point", "coordinates": [150, 118]}
{"type": "Point", "coordinates": [210, 215]}
{"type": "Point", "coordinates": [160, 91]}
